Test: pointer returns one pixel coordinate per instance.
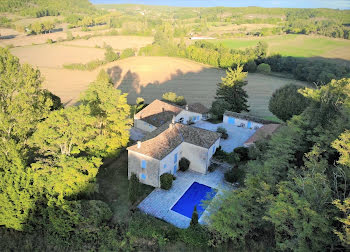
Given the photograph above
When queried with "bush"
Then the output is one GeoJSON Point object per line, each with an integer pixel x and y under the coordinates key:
{"type": "Point", "coordinates": [287, 102]}
{"type": "Point", "coordinates": [173, 98]}
{"type": "Point", "coordinates": [264, 68]}
{"type": "Point", "coordinates": [235, 175]}
{"type": "Point", "coordinates": [49, 41]}
{"type": "Point", "coordinates": [250, 66]}
{"type": "Point", "coordinates": [218, 108]}
{"type": "Point", "coordinates": [184, 164]}
{"type": "Point", "coordinates": [69, 36]}
{"type": "Point", "coordinates": [129, 52]}
{"type": "Point", "coordinates": [195, 236]}
{"type": "Point", "coordinates": [212, 167]}
{"type": "Point", "coordinates": [92, 65]}
{"type": "Point", "coordinates": [110, 54]}
{"type": "Point", "coordinates": [134, 188]}
{"type": "Point", "coordinates": [242, 152]}
{"type": "Point", "coordinates": [223, 132]}
{"type": "Point", "coordinates": [166, 181]}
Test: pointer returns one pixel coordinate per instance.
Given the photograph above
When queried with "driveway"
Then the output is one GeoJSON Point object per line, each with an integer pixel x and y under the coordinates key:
{"type": "Point", "coordinates": [159, 202]}
{"type": "Point", "coordinates": [236, 135]}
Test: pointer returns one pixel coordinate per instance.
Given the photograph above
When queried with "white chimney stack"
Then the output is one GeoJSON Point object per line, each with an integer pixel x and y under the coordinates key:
{"type": "Point", "coordinates": [186, 107]}
{"type": "Point", "coordinates": [173, 120]}
{"type": "Point", "coordinates": [138, 144]}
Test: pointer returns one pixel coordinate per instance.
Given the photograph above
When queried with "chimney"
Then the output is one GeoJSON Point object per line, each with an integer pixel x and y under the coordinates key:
{"type": "Point", "coordinates": [163, 109]}
{"type": "Point", "coordinates": [138, 144]}
{"type": "Point", "coordinates": [186, 107]}
{"type": "Point", "coordinates": [173, 120]}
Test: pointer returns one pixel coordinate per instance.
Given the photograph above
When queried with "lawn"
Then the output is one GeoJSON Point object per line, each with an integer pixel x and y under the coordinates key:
{"type": "Point", "coordinates": [297, 45]}
{"type": "Point", "coordinates": [113, 186]}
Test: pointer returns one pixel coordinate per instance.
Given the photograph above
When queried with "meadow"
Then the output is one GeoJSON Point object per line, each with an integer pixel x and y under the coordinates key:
{"type": "Point", "coordinates": [147, 77]}
{"type": "Point", "coordinates": [296, 45]}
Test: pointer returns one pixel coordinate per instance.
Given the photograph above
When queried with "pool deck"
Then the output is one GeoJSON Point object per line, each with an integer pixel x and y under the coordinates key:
{"type": "Point", "coordinates": [159, 202]}
{"type": "Point", "coordinates": [236, 135]}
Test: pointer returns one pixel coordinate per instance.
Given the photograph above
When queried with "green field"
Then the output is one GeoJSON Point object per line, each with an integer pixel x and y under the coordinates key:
{"type": "Point", "coordinates": [297, 45]}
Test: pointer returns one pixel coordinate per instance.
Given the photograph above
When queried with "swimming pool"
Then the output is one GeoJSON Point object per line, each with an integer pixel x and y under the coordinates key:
{"type": "Point", "coordinates": [193, 197]}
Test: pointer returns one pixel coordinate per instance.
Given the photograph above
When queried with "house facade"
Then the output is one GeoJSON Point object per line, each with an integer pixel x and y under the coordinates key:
{"type": "Point", "coordinates": [245, 121]}
{"type": "Point", "coordinates": [159, 112]}
{"type": "Point", "coordinates": [162, 150]}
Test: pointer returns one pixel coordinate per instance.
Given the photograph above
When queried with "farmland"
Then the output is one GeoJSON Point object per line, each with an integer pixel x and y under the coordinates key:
{"type": "Point", "coordinates": [147, 77]}
{"type": "Point", "coordinates": [296, 45]}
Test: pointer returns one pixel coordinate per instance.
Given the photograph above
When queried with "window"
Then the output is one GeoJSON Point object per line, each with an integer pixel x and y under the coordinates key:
{"type": "Point", "coordinates": [143, 176]}
{"type": "Point", "coordinates": [214, 149]}
{"type": "Point", "coordinates": [231, 120]}
{"type": "Point", "coordinates": [198, 118]}
{"type": "Point", "coordinates": [175, 158]}
{"type": "Point", "coordinates": [164, 166]}
{"type": "Point", "coordinates": [143, 164]}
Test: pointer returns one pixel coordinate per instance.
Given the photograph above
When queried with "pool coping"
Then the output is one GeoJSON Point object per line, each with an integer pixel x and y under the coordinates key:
{"type": "Point", "coordinates": [159, 202]}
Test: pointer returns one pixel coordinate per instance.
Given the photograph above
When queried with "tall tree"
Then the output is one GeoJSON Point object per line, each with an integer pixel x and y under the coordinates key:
{"type": "Point", "coordinates": [112, 116]}
{"type": "Point", "coordinates": [287, 102]}
{"type": "Point", "coordinates": [231, 90]}
{"type": "Point", "coordinates": [22, 101]}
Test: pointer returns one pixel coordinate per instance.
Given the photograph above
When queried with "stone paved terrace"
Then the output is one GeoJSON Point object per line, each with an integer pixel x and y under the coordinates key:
{"type": "Point", "coordinates": [236, 135]}
{"type": "Point", "coordinates": [159, 202]}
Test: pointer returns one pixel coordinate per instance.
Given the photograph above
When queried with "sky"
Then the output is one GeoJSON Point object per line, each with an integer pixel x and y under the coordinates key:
{"type": "Point", "coordinates": [335, 4]}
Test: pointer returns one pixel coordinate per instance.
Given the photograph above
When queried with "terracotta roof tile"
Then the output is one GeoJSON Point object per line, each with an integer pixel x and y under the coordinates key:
{"type": "Point", "coordinates": [159, 143]}
{"type": "Point", "coordinates": [263, 132]}
{"type": "Point", "coordinates": [198, 108]}
{"type": "Point", "coordinates": [158, 112]}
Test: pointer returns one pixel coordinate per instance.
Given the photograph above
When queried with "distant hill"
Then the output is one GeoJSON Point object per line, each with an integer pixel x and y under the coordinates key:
{"type": "Point", "coordinates": [47, 7]}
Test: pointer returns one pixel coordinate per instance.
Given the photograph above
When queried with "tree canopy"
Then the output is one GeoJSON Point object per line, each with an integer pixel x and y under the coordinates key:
{"type": "Point", "coordinates": [231, 90]}
{"type": "Point", "coordinates": [286, 102]}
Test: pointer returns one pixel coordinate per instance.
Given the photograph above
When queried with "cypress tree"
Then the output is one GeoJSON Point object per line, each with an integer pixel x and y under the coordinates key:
{"type": "Point", "coordinates": [231, 90]}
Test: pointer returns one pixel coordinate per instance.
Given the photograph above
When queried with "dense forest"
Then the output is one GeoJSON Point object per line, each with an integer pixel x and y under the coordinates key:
{"type": "Point", "coordinates": [39, 8]}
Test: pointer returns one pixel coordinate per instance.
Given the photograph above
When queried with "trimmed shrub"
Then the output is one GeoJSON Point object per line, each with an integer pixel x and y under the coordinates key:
{"type": "Point", "coordinates": [264, 68]}
{"type": "Point", "coordinates": [223, 132]}
{"type": "Point", "coordinates": [134, 188]}
{"type": "Point", "coordinates": [184, 164]}
{"type": "Point", "coordinates": [49, 41]}
{"type": "Point", "coordinates": [166, 181]}
{"type": "Point", "coordinates": [242, 152]}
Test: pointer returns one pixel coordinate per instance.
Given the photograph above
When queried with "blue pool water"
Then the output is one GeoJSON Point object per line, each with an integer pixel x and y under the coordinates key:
{"type": "Point", "coordinates": [193, 197]}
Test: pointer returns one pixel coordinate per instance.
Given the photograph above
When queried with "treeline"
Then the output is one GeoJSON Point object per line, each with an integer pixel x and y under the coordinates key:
{"type": "Point", "coordinates": [294, 194]}
{"type": "Point", "coordinates": [318, 71]}
{"type": "Point", "coordinates": [110, 56]}
{"type": "Point", "coordinates": [217, 55]}
{"type": "Point", "coordinates": [47, 7]}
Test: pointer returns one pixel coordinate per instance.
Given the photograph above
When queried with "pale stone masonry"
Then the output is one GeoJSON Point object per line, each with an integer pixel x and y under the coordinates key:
{"type": "Point", "coordinates": [162, 150]}
{"type": "Point", "coordinates": [159, 112]}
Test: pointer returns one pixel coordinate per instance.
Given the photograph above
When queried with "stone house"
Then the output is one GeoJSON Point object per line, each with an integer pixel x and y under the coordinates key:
{"type": "Point", "coordinates": [245, 121]}
{"type": "Point", "coordinates": [159, 112]}
{"type": "Point", "coordinates": [161, 151]}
